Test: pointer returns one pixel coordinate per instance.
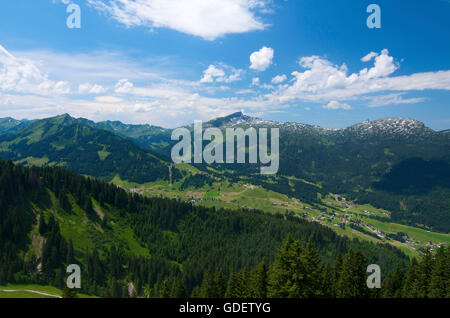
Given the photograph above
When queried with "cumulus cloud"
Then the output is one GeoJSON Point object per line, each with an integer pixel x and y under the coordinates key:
{"type": "Point", "coordinates": [369, 56]}
{"type": "Point", "coordinates": [88, 88]}
{"type": "Point", "coordinates": [218, 74]}
{"type": "Point", "coordinates": [262, 59]}
{"type": "Point", "coordinates": [323, 81]}
{"type": "Point", "coordinates": [384, 66]}
{"type": "Point", "coordinates": [208, 19]}
{"type": "Point", "coordinates": [210, 73]}
{"type": "Point", "coordinates": [336, 105]}
{"type": "Point", "coordinates": [139, 95]}
{"type": "Point", "coordinates": [123, 86]}
{"type": "Point", "coordinates": [279, 79]}
{"type": "Point", "coordinates": [22, 75]}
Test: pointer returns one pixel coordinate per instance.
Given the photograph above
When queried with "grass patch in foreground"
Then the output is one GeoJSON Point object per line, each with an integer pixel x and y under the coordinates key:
{"type": "Point", "coordinates": [33, 291]}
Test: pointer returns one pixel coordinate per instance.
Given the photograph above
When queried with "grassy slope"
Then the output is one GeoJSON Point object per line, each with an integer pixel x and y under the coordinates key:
{"type": "Point", "coordinates": [25, 291]}
{"type": "Point", "coordinates": [244, 195]}
{"type": "Point", "coordinates": [85, 234]}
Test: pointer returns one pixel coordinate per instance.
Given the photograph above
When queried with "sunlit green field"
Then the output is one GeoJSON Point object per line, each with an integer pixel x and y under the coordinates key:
{"type": "Point", "coordinates": [222, 194]}
{"type": "Point", "coordinates": [32, 291]}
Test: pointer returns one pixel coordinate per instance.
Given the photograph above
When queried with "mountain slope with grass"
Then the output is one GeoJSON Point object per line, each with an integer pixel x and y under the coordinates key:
{"type": "Point", "coordinates": [67, 142]}
{"type": "Point", "coordinates": [365, 162]}
{"type": "Point", "coordinates": [10, 125]}
{"type": "Point", "coordinates": [358, 162]}
{"type": "Point", "coordinates": [148, 137]}
{"type": "Point", "coordinates": [51, 217]}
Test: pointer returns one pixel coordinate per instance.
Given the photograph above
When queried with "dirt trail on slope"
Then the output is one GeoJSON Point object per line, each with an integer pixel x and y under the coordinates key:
{"type": "Point", "coordinates": [29, 291]}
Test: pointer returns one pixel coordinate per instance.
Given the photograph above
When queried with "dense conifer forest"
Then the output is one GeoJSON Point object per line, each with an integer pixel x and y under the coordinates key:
{"type": "Point", "coordinates": [192, 251]}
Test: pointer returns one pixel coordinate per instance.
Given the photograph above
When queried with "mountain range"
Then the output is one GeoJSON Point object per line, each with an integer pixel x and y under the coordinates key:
{"type": "Point", "coordinates": [395, 164]}
{"type": "Point", "coordinates": [378, 188]}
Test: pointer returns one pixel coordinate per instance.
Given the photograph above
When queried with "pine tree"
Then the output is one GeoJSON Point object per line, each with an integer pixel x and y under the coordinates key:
{"type": "Point", "coordinates": [89, 209]}
{"type": "Point", "coordinates": [352, 282]}
{"type": "Point", "coordinates": [287, 273]}
{"type": "Point", "coordinates": [259, 280]}
{"type": "Point", "coordinates": [164, 289]}
{"type": "Point", "coordinates": [440, 275]}
{"type": "Point", "coordinates": [393, 284]}
{"type": "Point", "coordinates": [448, 265]}
{"type": "Point", "coordinates": [69, 258]}
{"type": "Point", "coordinates": [42, 225]}
{"type": "Point", "coordinates": [114, 288]}
{"type": "Point", "coordinates": [236, 287]}
{"type": "Point", "coordinates": [422, 283]}
{"type": "Point", "coordinates": [312, 281]}
{"type": "Point", "coordinates": [337, 271]}
{"type": "Point", "coordinates": [221, 282]}
{"type": "Point", "coordinates": [195, 292]}
{"type": "Point", "coordinates": [410, 279]}
{"type": "Point", "coordinates": [209, 287]}
{"type": "Point", "coordinates": [125, 293]}
{"type": "Point", "coordinates": [326, 280]}
{"type": "Point", "coordinates": [178, 290]}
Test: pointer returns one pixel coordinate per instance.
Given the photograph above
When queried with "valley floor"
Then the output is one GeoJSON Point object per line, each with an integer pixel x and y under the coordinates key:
{"type": "Point", "coordinates": [344, 217]}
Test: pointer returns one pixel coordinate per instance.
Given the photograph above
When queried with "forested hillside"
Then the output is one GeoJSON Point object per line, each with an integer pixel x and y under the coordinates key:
{"type": "Point", "coordinates": [75, 218]}
{"type": "Point", "coordinates": [426, 277]}
{"type": "Point", "coordinates": [10, 125]}
{"type": "Point", "coordinates": [395, 164]}
{"type": "Point", "coordinates": [398, 165]}
{"type": "Point", "coordinates": [67, 142]}
{"type": "Point", "coordinates": [146, 136]}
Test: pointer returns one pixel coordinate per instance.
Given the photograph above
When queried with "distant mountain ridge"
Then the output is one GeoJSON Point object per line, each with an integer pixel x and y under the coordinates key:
{"type": "Point", "coordinates": [234, 119]}
{"type": "Point", "coordinates": [379, 127]}
{"type": "Point", "coordinates": [353, 161]}
{"type": "Point", "coordinates": [146, 136]}
{"type": "Point", "coordinates": [375, 127]}
{"type": "Point", "coordinates": [71, 143]}
{"type": "Point", "coordinates": [10, 125]}
{"type": "Point", "coordinates": [356, 161]}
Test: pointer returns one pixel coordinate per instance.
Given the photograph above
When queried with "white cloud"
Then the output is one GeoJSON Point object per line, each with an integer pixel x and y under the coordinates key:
{"type": "Point", "coordinates": [384, 66]}
{"type": "Point", "coordinates": [87, 88]}
{"type": "Point", "coordinates": [22, 75]}
{"type": "Point", "coordinates": [208, 19]}
{"type": "Point", "coordinates": [262, 59]}
{"type": "Point", "coordinates": [140, 93]}
{"type": "Point", "coordinates": [235, 76]}
{"type": "Point", "coordinates": [108, 99]}
{"type": "Point", "coordinates": [279, 79]}
{"type": "Point", "coordinates": [99, 65]}
{"type": "Point", "coordinates": [336, 105]}
{"type": "Point", "coordinates": [62, 1]}
{"type": "Point", "coordinates": [369, 57]}
{"type": "Point", "coordinates": [137, 95]}
{"type": "Point", "coordinates": [257, 82]}
{"type": "Point", "coordinates": [391, 99]}
{"type": "Point", "coordinates": [244, 91]}
{"type": "Point", "coordinates": [123, 86]}
{"type": "Point", "coordinates": [210, 73]}
{"type": "Point", "coordinates": [322, 81]}
{"type": "Point", "coordinates": [218, 74]}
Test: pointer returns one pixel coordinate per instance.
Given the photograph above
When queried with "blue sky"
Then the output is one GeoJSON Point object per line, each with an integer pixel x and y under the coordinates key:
{"type": "Point", "coordinates": [169, 62]}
